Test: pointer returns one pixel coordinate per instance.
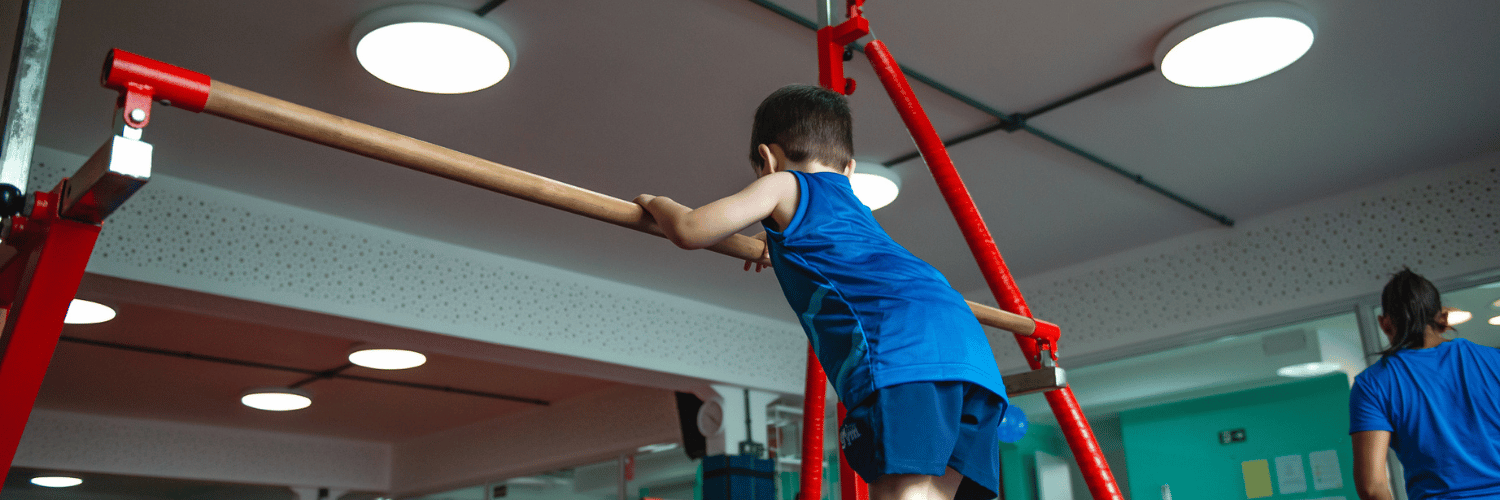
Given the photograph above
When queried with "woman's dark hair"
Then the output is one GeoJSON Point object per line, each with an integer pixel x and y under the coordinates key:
{"type": "Point", "coordinates": [808, 122]}
{"type": "Point", "coordinates": [1411, 304]}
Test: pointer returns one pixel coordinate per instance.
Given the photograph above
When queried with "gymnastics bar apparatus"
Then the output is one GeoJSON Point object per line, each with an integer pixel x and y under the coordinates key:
{"type": "Point", "coordinates": [142, 81]}
{"type": "Point", "coordinates": [1039, 346]}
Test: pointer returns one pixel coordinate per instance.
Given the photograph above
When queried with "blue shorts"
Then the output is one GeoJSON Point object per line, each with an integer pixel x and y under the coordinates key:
{"type": "Point", "coordinates": [924, 428]}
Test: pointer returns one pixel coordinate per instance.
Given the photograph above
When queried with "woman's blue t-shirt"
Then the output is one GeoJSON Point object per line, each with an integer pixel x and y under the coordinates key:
{"type": "Point", "coordinates": [876, 314]}
{"type": "Point", "coordinates": [1442, 407]}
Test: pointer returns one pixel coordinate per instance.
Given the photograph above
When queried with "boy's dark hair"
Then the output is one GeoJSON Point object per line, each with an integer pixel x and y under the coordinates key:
{"type": "Point", "coordinates": [1411, 303]}
{"type": "Point", "coordinates": [808, 122]}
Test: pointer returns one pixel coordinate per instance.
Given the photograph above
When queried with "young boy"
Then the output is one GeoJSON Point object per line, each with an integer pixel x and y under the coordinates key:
{"type": "Point", "coordinates": [902, 348]}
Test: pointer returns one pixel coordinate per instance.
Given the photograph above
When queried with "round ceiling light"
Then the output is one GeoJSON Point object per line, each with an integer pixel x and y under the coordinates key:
{"type": "Point", "coordinates": [1458, 317]}
{"type": "Point", "coordinates": [56, 481]}
{"type": "Point", "coordinates": [83, 312]}
{"type": "Point", "coordinates": [432, 48]}
{"type": "Point", "coordinates": [1308, 369]}
{"type": "Point", "coordinates": [277, 399]}
{"type": "Point", "coordinates": [1495, 321]}
{"type": "Point", "coordinates": [875, 184]}
{"type": "Point", "coordinates": [387, 359]}
{"type": "Point", "coordinates": [1235, 44]}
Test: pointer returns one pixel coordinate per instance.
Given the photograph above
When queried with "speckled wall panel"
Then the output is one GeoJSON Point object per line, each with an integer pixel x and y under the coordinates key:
{"type": "Point", "coordinates": [94, 443]}
{"type": "Point", "coordinates": [1442, 223]}
{"type": "Point", "coordinates": [188, 235]}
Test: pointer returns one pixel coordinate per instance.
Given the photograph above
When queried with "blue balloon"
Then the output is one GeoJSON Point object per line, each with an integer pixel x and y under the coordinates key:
{"type": "Point", "coordinates": [1013, 424]}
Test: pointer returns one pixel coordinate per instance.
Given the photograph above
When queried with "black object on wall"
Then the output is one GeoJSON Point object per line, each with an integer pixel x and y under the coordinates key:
{"type": "Point", "coordinates": [693, 442]}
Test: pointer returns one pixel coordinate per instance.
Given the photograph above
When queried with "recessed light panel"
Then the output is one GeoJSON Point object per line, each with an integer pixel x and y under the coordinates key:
{"type": "Point", "coordinates": [1235, 44]}
{"type": "Point", "coordinates": [1308, 369]}
{"type": "Point", "coordinates": [277, 399]}
{"type": "Point", "coordinates": [875, 184]}
{"type": "Point", "coordinates": [1459, 317]}
{"type": "Point", "coordinates": [387, 359]}
{"type": "Point", "coordinates": [56, 481]}
{"type": "Point", "coordinates": [432, 48]}
{"type": "Point", "coordinates": [83, 312]}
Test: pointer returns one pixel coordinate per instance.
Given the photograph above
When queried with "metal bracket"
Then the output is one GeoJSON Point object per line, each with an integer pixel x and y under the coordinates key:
{"type": "Point", "coordinates": [141, 81]}
{"type": "Point", "coordinates": [832, 41]}
{"type": "Point", "coordinates": [117, 170]}
{"type": "Point", "coordinates": [1043, 380]}
{"type": "Point", "coordinates": [1046, 335]}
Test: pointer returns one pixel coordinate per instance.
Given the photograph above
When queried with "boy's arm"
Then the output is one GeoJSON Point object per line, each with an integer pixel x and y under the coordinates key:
{"type": "Point", "coordinates": [707, 225]}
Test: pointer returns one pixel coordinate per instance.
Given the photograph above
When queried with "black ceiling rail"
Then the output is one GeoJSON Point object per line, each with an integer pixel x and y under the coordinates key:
{"type": "Point", "coordinates": [487, 7]}
{"type": "Point", "coordinates": [1131, 75]}
{"type": "Point", "coordinates": [315, 374]}
{"type": "Point", "coordinates": [1017, 121]}
{"type": "Point", "coordinates": [321, 375]}
{"type": "Point", "coordinates": [1012, 122]}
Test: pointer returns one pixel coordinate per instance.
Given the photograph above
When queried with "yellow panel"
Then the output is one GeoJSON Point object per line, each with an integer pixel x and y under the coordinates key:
{"type": "Point", "coordinates": [1257, 478]}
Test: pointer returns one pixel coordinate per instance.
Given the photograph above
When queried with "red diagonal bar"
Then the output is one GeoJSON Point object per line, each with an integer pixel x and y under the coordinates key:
{"type": "Point", "coordinates": [1064, 405]}
{"type": "Point", "coordinates": [52, 255]}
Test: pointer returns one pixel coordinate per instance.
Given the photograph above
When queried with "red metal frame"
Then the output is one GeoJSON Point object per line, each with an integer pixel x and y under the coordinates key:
{"type": "Point", "coordinates": [37, 283]}
{"type": "Point", "coordinates": [851, 486]}
{"type": "Point", "coordinates": [1064, 405]}
{"type": "Point", "coordinates": [813, 407]}
{"type": "Point", "coordinates": [831, 43]}
{"type": "Point", "coordinates": [1075, 427]}
{"type": "Point", "coordinates": [48, 253]}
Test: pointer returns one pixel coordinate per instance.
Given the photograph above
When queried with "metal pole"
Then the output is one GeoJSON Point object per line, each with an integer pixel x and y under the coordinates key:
{"type": "Point", "coordinates": [1075, 427]}
{"type": "Point", "coordinates": [814, 399]}
{"type": "Point", "coordinates": [23, 89]}
{"type": "Point", "coordinates": [43, 277]}
{"type": "Point", "coordinates": [851, 486]}
{"type": "Point", "coordinates": [624, 475]}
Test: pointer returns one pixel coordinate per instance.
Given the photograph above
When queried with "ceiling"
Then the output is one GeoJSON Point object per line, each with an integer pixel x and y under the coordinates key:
{"type": "Point", "coordinates": [93, 378]}
{"type": "Point", "coordinates": [655, 96]}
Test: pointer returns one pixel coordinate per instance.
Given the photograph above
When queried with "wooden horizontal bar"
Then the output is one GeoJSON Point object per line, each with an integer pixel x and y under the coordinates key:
{"type": "Point", "coordinates": [323, 128]}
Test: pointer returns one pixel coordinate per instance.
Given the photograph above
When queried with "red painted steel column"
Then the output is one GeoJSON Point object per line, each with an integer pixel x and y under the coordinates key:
{"type": "Point", "coordinates": [1064, 405]}
{"type": "Point", "coordinates": [53, 253]}
{"type": "Point", "coordinates": [812, 429]}
{"type": "Point", "coordinates": [851, 486]}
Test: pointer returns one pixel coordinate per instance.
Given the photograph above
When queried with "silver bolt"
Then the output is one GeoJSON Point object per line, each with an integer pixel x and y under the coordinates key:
{"type": "Point", "coordinates": [137, 114]}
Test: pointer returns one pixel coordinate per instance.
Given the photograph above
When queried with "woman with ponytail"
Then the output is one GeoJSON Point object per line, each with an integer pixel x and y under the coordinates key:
{"type": "Point", "coordinates": [1436, 402]}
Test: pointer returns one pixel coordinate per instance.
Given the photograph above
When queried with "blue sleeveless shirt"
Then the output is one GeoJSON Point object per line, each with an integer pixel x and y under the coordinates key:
{"type": "Point", "coordinates": [876, 314]}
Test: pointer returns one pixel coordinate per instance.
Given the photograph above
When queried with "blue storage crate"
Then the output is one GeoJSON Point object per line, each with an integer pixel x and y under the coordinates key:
{"type": "Point", "coordinates": [738, 477]}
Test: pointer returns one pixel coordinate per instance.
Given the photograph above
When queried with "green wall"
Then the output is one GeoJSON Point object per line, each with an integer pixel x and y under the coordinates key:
{"type": "Point", "coordinates": [1018, 460]}
{"type": "Point", "coordinates": [1178, 443]}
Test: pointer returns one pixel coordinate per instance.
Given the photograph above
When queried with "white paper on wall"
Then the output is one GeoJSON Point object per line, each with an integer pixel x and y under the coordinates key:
{"type": "Point", "coordinates": [1327, 475]}
{"type": "Point", "coordinates": [1289, 475]}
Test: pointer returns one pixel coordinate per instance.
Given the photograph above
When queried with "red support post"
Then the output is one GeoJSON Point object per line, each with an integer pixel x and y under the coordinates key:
{"type": "Point", "coordinates": [831, 42]}
{"type": "Point", "coordinates": [1075, 427]}
{"type": "Point", "coordinates": [812, 429]}
{"type": "Point", "coordinates": [851, 486]}
{"type": "Point", "coordinates": [44, 274]}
